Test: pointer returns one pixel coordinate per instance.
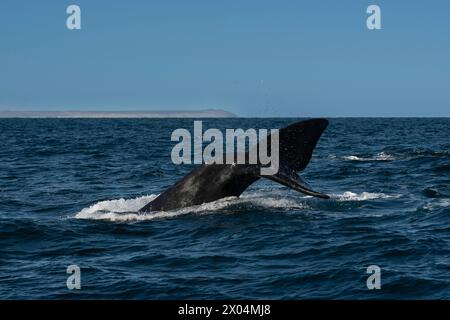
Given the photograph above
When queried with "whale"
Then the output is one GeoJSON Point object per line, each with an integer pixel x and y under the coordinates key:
{"type": "Point", "coordinates": [211, 182]}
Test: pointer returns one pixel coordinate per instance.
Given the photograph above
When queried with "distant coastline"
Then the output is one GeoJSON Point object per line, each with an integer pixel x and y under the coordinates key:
{"type": "Point", "coordinates": [208, 113]}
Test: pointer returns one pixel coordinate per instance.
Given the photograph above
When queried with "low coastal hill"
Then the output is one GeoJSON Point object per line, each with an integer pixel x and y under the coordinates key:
{"type": "Point", "coordinates": [208, 113]}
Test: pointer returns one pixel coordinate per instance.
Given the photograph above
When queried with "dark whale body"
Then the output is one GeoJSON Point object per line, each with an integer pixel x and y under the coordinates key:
{"type": "Point", "coordinates": [210, 182]}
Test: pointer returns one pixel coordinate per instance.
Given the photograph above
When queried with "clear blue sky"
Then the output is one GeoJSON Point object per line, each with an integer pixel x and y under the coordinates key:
{"type": "Point", "coordinates": [253, 58]}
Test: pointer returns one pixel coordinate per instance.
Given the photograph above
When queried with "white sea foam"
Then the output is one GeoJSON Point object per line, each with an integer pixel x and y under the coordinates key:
{"type": "Point", "coordinates": [382, 156]}
{"type": "Point", "coordinates": [351, 196]}
{"type": "Point", "coordinates": [436, 204]}
{"type": "Point", "coordinates": [118, 205]}
{"type": "Point", "coordinates": [122, 210]}
{"type": "Point", "coordinates": [116, 210]}
{"type": "Point", "coordinates": [269, 201]}
{"type": "Point", "coordinates": [353, 158]}
{"type": "Point", "coordinates": [127, 210]}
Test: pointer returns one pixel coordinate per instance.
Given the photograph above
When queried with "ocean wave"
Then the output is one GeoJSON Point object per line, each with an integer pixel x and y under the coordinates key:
{"type": "Point", "coordinates": [385, 156]}
{"type": "Point", "coordinates": [430, 152]}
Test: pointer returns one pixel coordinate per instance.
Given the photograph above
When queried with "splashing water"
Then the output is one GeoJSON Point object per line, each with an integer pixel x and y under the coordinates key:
{"type": "Point", "coordinates": [124, 210]}
{"type": "Point", "coordinates": [382, 156]}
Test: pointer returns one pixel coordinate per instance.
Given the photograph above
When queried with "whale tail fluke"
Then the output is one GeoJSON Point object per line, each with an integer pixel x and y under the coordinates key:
{"type": "Point", "coordinates": [296, 145]}
{"type": "Point", "coordinates": [296, 183]}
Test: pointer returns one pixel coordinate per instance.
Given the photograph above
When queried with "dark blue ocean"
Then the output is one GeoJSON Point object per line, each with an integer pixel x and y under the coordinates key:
{"type": "Point", "coordinates": [70, 190]}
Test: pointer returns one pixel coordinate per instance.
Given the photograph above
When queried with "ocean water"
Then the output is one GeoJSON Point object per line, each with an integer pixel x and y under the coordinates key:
{"type": "Point", "coordinates": [70, 190]}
